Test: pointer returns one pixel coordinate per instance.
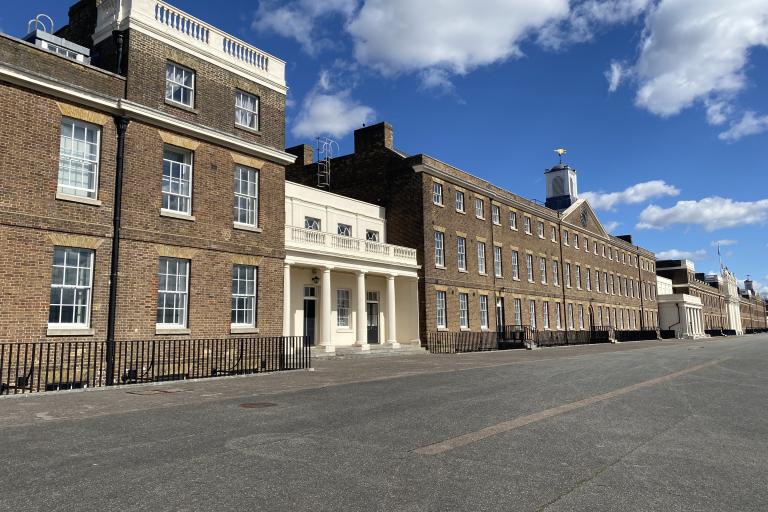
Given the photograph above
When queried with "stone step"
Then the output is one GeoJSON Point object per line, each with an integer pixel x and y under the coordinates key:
{"type": "Point", "coordinates": [374, 351]}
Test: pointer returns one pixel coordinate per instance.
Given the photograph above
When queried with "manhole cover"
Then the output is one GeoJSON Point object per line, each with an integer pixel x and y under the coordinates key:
{"type": "Point", "coordinates": [257, 405]}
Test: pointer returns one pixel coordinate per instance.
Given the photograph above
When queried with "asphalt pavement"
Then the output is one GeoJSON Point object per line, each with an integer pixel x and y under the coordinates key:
{"type": "Point", "coordinates": [667, 425]}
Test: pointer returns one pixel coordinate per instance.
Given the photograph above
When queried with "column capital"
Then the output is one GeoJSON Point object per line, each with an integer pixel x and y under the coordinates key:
{"type": "Point", "coordinates": [391, 277]}
{"type": "Point", "coordinates": [361, 272]}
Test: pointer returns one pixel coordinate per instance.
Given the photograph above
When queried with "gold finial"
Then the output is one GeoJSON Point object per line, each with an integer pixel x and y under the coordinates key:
{"type": "Point", "coordinates": [560, 152]}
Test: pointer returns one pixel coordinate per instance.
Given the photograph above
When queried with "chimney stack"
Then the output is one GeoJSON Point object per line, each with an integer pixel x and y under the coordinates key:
{"type": "Point", "coordinates": [377, 136]}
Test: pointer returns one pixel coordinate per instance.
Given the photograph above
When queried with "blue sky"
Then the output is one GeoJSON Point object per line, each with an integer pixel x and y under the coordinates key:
{"type": "Point", "coordinates": [660, 103]}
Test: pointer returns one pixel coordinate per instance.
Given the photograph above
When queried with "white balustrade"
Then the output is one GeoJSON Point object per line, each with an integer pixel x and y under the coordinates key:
{"type": "Point", "coordinates": [310, 239]}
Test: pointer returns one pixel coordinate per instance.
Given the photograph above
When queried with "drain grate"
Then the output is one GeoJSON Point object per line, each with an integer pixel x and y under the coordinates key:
{"type": "Point", "coordinates": [257, 405]}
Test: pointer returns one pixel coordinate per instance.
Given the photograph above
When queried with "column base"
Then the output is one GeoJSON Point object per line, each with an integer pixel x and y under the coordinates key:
{"type": "Point", "coordinates": [364, 347]}
{"type": "Point", "coordinates": [393, 344]}
{"type": "Point", "coordinates": [328, 348]}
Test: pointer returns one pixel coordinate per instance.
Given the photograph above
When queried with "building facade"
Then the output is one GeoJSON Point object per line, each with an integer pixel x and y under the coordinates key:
{"type": "Point", "coordinates": [489, 257]}
{"type": "Point", "coordinates": [141, 120]}
{"type": "Point", "coordinates": [727, 284]}
{"type": "Point", "coordinates": [752, 308]}
{"type": "Point", "coordinates": [344, 285]}
{"type": "Point", "coordinates": [685, 280]}
{"type": "Point", "coordinates": [679, 312]}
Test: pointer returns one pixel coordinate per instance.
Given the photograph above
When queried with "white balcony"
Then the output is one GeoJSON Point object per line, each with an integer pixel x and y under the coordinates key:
{"type": "Point", "coordinates": [164, 21]}
{"type": "Point", "coordinates": [318, 241]}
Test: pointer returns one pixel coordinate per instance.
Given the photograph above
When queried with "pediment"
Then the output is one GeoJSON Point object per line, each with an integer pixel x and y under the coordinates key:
{"type": "Point", "coordinates": [582, 215]}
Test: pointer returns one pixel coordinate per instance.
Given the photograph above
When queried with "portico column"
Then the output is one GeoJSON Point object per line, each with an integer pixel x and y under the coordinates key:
{"type": "Point", "coordinates": [286, 299]}
{"type": "Point", "coordinates": [325, 311]}
{"type": "Point", "coordinates": [362, 325]}
{"type": "Point", "coordinates": [391, 324]}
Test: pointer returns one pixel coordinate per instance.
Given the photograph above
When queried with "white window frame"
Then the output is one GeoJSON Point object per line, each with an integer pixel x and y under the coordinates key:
{"type": "Point", "coordinates": [481, 258]}
{"type": "Point", "coordinates": [558, 316]}
{"type": "Point", "coordinates": [578, 277]}
{"type": "Point", "coordinates": [78, 159]}
{"type": "Point", "coordinates": [569, 316]}
{"type": "Point", "coordinates": [567, 269]}
{"type": "Point", "coordinates": [464, 310]}
{"type": "Point", "coordinates": [246, 201]}
{"type": "Point", "coordinates": [513, 220]}
{"type": "Point", "coordinates": [313, 223]}
{"type": "Point", "coordinates": [461, 253]}
{"type": "Point", "coordinates": [553, 234]}
{"type": "Point", "coordinates": [497, 267]}
{"type": "Point", "coordinates": [439, 249]}
{"type": "Point", "coordinates": [437, 193]}
{"type": "Point", "coordinates": [529, 265]}
{"type": "Point", "coordinates": [518, 311]}
{"type": "Point", "coordinates": [575, 240]}
{"type": "Point", "coordinates": [171, 84]}
{"type": "Point", "coordinates": [343, 229]}
{"type": "Point", "coordinates": [479, 208]}
{"type": "Point", "coordinates": [243, 111]}
{"type": "Point", "coordinates": [566, 240]}
{"type": "Point", "coordinates": [540, 229]}
{"type": "Point", "coordinates": [555, 273]}
{"type": "Point", "coordinates": [532, 313]}
{"type": "Point", "coordinates": [545, 314]}
{"type": "Point", "coordinates": [371, 235]}
{"type": "Point", "coordinates": [527, 223]}
{"type": "Point", "coordinates": [515, 265]}
{"type": "Point", "coordinates": [484, 312]}
{"type": "Point", "coordinates": [185, 177]}
{"type": "Point", "coordinates": [543, 269]}
{"type": "Point", "coordinates": [70, 280]}
{"type": "Point", "coordinates": [581, 317]}
{"type": "Point", "coordinates": [244, 283]}
{"type": "Point", "coordinates": [179, 291]}
{"type": "Point", "coordinates": [441, 316]}
{"type": "Point", "coordinates": [496, 215]}
{"type": "Point", "coordinates": [459, 201]}
{"type": "Point", "coordinates": [342, 308]}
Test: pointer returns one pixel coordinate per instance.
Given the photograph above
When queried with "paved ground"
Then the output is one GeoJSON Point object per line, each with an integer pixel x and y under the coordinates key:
{"type": "Point", "coordinates": [638, 426]}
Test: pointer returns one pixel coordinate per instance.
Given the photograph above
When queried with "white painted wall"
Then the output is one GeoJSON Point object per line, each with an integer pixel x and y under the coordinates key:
{"type": "Point", "coordinates": [302, 201]}
{"type": "Point", "coordinates": [663, 286]}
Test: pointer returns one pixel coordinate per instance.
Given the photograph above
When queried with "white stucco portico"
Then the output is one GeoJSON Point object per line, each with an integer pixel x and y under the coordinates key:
{"type": "Point", "coordinates": [343, 285]}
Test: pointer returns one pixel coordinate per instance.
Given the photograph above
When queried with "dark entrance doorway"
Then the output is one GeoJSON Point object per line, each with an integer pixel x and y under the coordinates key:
{"type": "Point", "coordinates": [500, 314]}
{"type": "Point", "coordinates": [310, 313]}
{"type": "Point", "coordinates": [372, 314]}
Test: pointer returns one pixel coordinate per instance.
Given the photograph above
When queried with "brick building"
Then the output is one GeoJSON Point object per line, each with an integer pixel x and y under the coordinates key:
{"type": "Point", "coordinates": [685, 280]}
{"type": "Point", "coordinates": [490, 257]}
{"type": "Point", "coordinates": [752, 308]}
{"type": "Point", "coordinates": [194, 121]}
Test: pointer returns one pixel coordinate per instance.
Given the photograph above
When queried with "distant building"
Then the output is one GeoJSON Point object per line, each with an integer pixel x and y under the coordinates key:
{"type": "Point", "coordinates": [679, 312]}
{"type": "Point", "coordinates": [344, 285]}
{"type": "Point", "coordinates": [728, 286]}
{"type": "Point", "coordinates": [686, 281]}
{"type": "Point", "coordinates": [490, 258]}
{"type": "Point", "coordinates": [753, 307]}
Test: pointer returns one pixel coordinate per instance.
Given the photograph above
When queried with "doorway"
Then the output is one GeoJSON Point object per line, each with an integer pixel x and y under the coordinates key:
{"type": "Point", "coordinates": [372, 314]}
{"type": "Point", "coordinates": [500, 314]}
{"type": "Point", "coordinates": [310, 314]}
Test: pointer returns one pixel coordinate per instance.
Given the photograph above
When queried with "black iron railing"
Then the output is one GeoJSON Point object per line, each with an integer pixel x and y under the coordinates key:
{"type": "Point", "coordinates": [460, 342]}
{"type": "Point", "coordinates": [50, 366]}
{"type": "Point", "coordinates": [638, 335]}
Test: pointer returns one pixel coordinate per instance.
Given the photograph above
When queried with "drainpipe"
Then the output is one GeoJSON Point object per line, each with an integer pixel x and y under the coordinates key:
{"type": "Point", "coordinates": [118, 38]}
{"type": "Point", "coordinates": [122, 126]}
{"type": "Point", "coordinates": [640, 280]}
{"type": "Point", "coordinates": [562, 269]}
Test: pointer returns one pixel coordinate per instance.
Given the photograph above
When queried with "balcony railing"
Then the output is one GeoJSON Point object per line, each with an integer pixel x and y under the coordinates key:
{"type": "Point", "coordinates": [309, 239]}
{"type": "Point", "coordinates": [177, 24]}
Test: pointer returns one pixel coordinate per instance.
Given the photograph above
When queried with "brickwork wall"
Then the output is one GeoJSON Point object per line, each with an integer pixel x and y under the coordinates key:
{"type": "Point", "coordinates": [33, 220]}
{"type": "Point", "coordinates": [378, 174]}
{"type": "Point", "coordinates": [214, 103]}
{"type": "Point", "coordinates": [31, 59]}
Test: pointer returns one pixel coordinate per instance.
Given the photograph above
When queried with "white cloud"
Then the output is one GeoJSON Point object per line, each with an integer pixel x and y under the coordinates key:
{"type": "Point", "coordinates": [299, 20]}
{"type": "Point", "coordinates": [723, 243]}
{"type": "Point", "coordinates": [674, 254]}
{"type": "Point", "coordinates": [635, 194]}
{"type": "Point", "coordinates": [611, 226]}
{"type": "Point", "coordinates": [614, 75]}
{"type": "Point", "coordinates": [712, 213]}
{"type": "Point", "coordinates": [587, 17]}
{"type": "Point", "coordinates": [750, 124]}
{"type": "Point", "coordinates": [326, 111]}
{"type": "Point", "coordinates": [696, 50]}
{"type": "Point", "coordinates": [456, 36]}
